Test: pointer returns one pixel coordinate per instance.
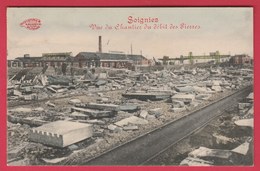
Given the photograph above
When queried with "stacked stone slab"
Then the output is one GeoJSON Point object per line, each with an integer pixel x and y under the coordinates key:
{"type": "Point", "coordinates": [61, 133]}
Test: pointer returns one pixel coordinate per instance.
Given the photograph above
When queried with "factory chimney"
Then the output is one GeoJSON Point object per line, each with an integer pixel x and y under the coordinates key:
{"type": "Point", "coordinates": [100, 44]}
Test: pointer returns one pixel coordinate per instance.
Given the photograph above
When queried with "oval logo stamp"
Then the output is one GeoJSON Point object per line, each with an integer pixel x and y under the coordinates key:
{"type": "Point", "coordinates": [31, 23]}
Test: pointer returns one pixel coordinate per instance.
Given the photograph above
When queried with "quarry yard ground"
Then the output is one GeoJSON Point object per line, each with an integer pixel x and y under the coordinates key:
{"type": "Point", "coordinates": [50, 106]}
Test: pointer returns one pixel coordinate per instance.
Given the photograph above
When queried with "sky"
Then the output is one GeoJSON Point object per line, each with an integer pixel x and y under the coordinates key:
{"type": "Point", "coordinates": [228, 30]}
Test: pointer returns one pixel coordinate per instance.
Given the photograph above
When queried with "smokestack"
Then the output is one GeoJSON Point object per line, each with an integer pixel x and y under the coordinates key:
{"type": "Point", "coordinates": [100, 44]}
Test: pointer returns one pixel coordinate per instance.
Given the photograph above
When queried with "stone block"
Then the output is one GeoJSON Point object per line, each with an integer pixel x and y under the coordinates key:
{"type": "Point", "coordinates": [94, 113]}
{"type": "Point", "coordinates": [150, 117]}
{"type": "Point", "coordinates": [177, 103]}
{"type": "Point", "coordinates": [129, 107]}
{"type": "Point", "coordinates": [130, 128]}
{"type": "Point", "coordinates": [203, 96]}
{"type": "Point", "coordinates": [17, 93]}
{"type": "Point", "coordinates": [61, 133]}
{"type": "Point", "coordinates": [242, 106]}
{"type": "Point", "coordinates": [156, 111]}
{"type": "Point", "coordinates": [143, 114]}
{"type": "Point", "coordinates": [185, 89]}
{"type": "Point", "coordinates": [30, 97]}
{"type": "Point", "coordinates": [216, 88]}
{"type": "Point", "coordinates": [50, 104]}
{"type": "Point", "coordinates": [176, 109]}
{"type": "Point", "coordinates": [131, 120]}
{"type": "Point", "coordinates": [77, 115]}
{"type": "Point", "coordinates": [101, 106]}
{"type": "Point", "coordinates": [111, 127]}
{"type": "Point", "coordinates": [74, 101]}
{"type": "Point", "coordinates": [186, 98]}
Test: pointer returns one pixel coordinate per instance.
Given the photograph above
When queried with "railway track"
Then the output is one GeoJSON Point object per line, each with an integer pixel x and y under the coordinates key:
{"type": "Point", "coordinates": [144, 148]}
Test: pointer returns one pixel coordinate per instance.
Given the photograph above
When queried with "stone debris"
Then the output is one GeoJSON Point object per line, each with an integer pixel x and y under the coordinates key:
{"type": "Point", "coordinates": [246, 109]}
{"type": "Point", "coordinates": [33, 121]}
{"type": "Point", "coordinates": [114, 128]}
{"type": "Point", "coordinates": [59, 80]}
{"type": "Point", "coordinates": [129, 107]}
{"type": "Point", "coordinates": [242, 106]}
{"type": "Point", "coordinates": [192, 161]}
{"type": "Point", "coordinates": [96, 121]}
{"type": "Point", "coordinates": [245, 122]}
{"type": "Point", "coordinates": [250, 97]}
{"type": "Point", "coordinates": [99, 133]}
{"type": "Point", "coordinates": [143, 114]}
{"type": "Point", "coordinates": [156, 112]}
{"type": "Point", "coordinates": [17, 93]}
{"type": "Point", "coordinates": [30, 97]}
{"type": "Point", "coordinates": [150, 117]}
{"type": "Point", "coordinates": [38, 109]}
{"type": "Point", "coordinates": [216, 82]}
{"type": "Point", "coordinates": [220, 139]}
{"type": "Point", "coordinates": [242, 149]}
{"type": "Point", "coordinates": [94, 113]}
{"type": "Point", "coordinates": [203, 96]}
{"type": "Point", "coordinates": [102, 76]}
{"type": "Point", "coordinates": [52, 89]}
{"type": "Point", "coordinates": [73, 147]}
{"type": "Point", "coordinates": [97, 106]}
{"type": "Point", "coordinates": [186, 98]}
{"type": "Point", "coordinates": [131, 120]}
{"type": "Point", "coordinates": [130, 128]}
{"type": "Point", "coordinates": [177, 110]}
{"type": "Point", "coordinates": [21, 109]}
{"type": "Point", "coordinates": [53, 161]}
{"type": "Point", "coordinates": [177, 104]}
{"type": "Point", "coordinates": [185, 89]}
{"type": "Point", "coordinates": [14, 153]}
{"type": "Point", "coordinates": [74, 101]}
{"type": "Point", "coordinates": [78, 116]}
{"type": "Point", "coordinates": [250, 112]}
{"type": "Point", "coordinates": [207, 152]}
{"type": "Point", "coordinates": [100, 82]}
{"type": "Point", "coordinates": [48, 103]}
{"type": "Point", "coordinates": [216, 88]}
{"type": "Point", "coordinates": [111, 127]}
{"type": "Point", "coordinates": [147, 95]}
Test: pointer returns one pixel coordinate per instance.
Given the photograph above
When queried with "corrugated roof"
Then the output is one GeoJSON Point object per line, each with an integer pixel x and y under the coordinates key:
{"type": "Point", "coordinates": [109, 56]}
{"type": "Point", "coordinates": [23, 59]}
{"type": "Point", "coordinates": [57, 54]}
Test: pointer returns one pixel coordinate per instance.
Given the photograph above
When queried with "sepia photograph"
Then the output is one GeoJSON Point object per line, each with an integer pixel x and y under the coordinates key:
{"type": "Point", "coordinates": [130, 86]}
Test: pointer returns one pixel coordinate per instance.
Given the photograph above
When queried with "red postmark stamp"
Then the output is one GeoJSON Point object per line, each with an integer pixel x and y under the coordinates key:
{"type": "Point", "coordinates": [31, 23]}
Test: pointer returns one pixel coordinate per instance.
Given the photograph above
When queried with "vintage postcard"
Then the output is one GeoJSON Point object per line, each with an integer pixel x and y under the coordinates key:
{"type": "Point", "coordinates": [149, 86]}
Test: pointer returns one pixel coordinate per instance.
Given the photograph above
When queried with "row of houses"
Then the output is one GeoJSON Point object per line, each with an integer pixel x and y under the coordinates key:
{"type": "Point", "coordinates": [120, 60]}
{"type": "Point", "coordinates": [82, 59]}
{"type": "Point", "coordinates": [212, 57]}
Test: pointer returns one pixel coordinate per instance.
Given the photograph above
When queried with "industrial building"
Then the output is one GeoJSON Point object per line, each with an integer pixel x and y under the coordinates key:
{"type": "Point", "coordinates": [51, 59]}
{"type": "Point", "coordinates": [111, 60]}
{"type": "Point", "coordinates": [241, 59]}
{"type": "Point", "coordinates": [213, 57]}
